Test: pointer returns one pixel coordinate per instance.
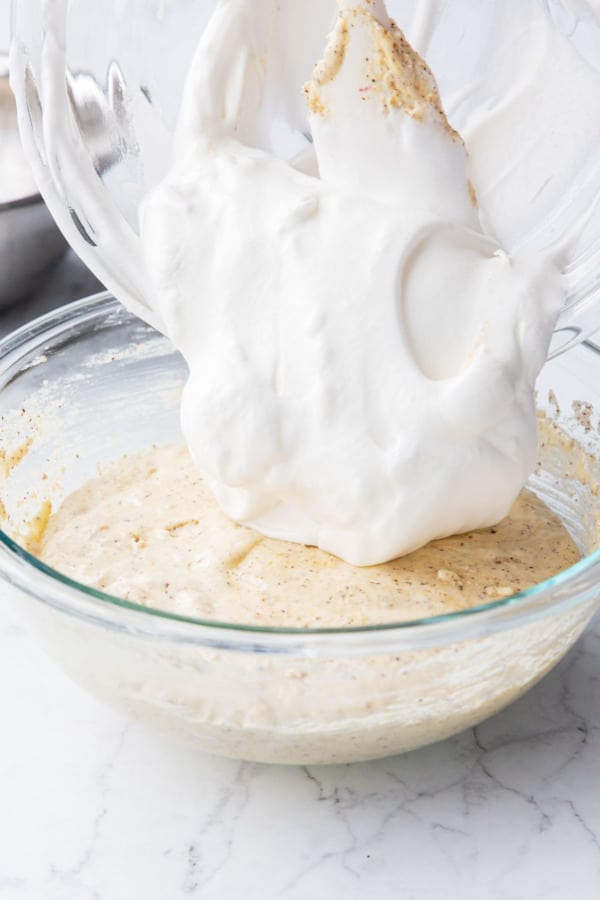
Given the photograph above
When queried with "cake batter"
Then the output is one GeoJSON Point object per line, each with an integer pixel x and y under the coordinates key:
{"type": "Point", "coordinates": [149, 530]}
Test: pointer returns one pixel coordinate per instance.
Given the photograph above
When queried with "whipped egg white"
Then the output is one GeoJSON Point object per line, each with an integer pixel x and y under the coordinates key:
{"type": "Point", "coordinates": [362, 354]}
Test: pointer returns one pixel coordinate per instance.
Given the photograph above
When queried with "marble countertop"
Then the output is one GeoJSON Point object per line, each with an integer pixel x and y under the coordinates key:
{"type": "Point", "coordinates": [94, 807]}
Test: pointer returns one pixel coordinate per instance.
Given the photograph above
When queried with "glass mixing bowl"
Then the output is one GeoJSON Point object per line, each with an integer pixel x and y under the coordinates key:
{"type": "Point", "coordinates": [99, 87]}
{"type": "Point", "coordinates": [89, 382]}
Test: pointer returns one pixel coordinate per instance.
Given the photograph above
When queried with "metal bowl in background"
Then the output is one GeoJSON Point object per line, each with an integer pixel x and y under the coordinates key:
{"type": "Point", "coordinates": [30, 241]}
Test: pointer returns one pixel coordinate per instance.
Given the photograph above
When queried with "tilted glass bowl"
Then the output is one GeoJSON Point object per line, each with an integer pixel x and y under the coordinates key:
{"type": "Point", "coordinates": [99, 87]}
{"type": "Point", "coordinates": [89, 382]}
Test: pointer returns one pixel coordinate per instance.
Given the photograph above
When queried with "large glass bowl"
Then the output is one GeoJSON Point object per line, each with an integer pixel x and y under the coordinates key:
{"type": "Point", "coordinates": [99, 88]}
{"type": "Point", "coordinates": [89, 382]}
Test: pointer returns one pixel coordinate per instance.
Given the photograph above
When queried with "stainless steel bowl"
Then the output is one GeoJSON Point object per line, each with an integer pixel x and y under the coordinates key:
{"type": "Point", "coordinates": [30, 241]}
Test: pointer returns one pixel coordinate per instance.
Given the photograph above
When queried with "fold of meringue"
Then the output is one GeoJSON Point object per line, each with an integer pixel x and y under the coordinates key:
{"type": "Point", "coordinates": [362, 355]}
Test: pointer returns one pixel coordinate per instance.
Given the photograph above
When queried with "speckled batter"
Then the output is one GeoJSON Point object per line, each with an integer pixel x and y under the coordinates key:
{"type": "Point", "coordinates": [149, 531]}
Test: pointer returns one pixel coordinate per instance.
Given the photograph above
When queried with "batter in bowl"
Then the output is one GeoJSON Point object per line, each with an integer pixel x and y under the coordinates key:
{"type": "Point", "coordinates": [148, 530]}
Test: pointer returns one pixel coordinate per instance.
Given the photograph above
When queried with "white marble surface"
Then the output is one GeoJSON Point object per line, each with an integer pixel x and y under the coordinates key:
{"type": "Point", "coordinates": [97, 808]}
{"type": "Point", "coordinates": [94, 807]}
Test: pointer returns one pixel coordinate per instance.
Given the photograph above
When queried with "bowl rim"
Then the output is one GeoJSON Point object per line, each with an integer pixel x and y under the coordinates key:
{"type": "Point", "coordinates": [574, 586]}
